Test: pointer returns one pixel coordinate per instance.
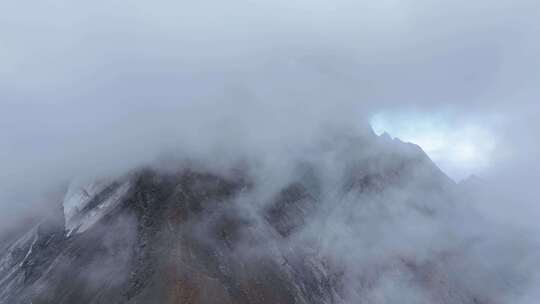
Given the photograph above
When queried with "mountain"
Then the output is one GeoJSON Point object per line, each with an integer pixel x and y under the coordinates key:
{"type": "Point", "coordinates": [356, 219]}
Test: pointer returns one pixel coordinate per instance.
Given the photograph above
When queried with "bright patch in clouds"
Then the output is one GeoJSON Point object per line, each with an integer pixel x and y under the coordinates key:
{"type": "Point", "coordinates": [459, 148]}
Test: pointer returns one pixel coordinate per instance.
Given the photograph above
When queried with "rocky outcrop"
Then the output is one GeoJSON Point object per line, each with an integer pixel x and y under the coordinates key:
{"type": "Point", "coordinates": [195, 236]}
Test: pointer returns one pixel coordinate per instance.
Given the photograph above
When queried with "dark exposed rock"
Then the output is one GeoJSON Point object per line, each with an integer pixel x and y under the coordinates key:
{"type": "Point", "coordinates": [180, 237]}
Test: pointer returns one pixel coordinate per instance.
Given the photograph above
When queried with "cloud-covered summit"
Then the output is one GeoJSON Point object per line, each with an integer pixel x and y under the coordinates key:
{"type": "Point", "coordinates": [96, 88]}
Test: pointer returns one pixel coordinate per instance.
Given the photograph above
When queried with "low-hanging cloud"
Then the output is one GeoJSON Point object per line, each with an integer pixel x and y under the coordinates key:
{"type": "Point", "coordinates": [99, 88]}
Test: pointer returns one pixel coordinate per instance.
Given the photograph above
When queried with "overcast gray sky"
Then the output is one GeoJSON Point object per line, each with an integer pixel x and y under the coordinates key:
{"type": "Point", "coordinates": [95, 87]}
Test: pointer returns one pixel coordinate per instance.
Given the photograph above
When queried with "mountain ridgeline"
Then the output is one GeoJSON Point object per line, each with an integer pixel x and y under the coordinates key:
{"type": "Point", "coordinates": [358, 219]}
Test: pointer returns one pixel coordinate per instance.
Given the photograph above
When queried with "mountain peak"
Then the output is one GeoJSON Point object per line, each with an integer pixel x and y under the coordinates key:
{"type": "Point", "coordinates": [213, 236]}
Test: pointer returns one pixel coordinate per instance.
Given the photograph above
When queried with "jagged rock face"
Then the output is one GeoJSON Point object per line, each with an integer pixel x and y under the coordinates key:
{"type": "Point", "coordinates": [174, 239]}
{"type": "Point", "coordinates": [201, 237]}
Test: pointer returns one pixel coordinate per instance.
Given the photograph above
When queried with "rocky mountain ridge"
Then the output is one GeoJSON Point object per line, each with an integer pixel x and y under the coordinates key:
{"type": "Point", "coordinates": [197, 236]}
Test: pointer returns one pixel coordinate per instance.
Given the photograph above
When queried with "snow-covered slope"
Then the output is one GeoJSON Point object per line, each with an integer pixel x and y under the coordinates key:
{"type": "Point", "coordinates": [86, 205]}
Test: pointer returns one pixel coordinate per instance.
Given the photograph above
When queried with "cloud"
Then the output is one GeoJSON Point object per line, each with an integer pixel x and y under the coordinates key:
{"type": "Point", "coordinates": [97, 88]}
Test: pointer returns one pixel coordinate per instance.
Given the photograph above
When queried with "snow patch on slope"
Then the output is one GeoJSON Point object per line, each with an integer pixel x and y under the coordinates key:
{"type": "Point", "coordinates": [79, 215]}
{"type": "Point", "coordinates": [78, 196]}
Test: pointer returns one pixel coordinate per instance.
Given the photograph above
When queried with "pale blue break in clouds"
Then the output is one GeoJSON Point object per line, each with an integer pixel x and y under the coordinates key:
{"type": "Point", "coordinates": [459, 148]}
